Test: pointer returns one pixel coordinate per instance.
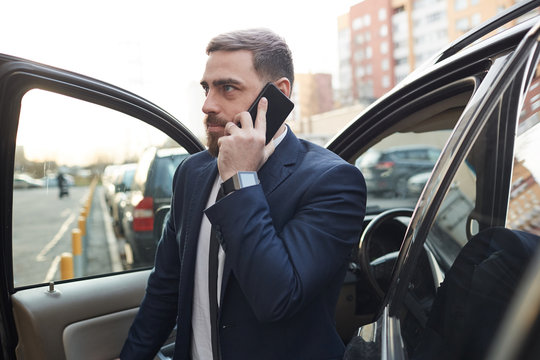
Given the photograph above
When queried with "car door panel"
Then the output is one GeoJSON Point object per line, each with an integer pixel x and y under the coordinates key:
{"type": "Point", "coordinates": [102, 308]}
{"type": "Point", "coordinates": [101, 337]}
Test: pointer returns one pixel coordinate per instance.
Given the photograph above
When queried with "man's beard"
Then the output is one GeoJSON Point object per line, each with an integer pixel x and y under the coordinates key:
{"type": "Point", "coordinates": [212, 138]}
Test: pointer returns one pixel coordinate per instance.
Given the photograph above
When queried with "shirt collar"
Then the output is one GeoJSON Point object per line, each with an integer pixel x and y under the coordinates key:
{"type": "Point", "coordinates": [280, 138]}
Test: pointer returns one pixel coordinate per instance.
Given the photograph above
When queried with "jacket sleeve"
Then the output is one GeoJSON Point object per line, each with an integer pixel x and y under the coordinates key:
{"type": "Point", "coordinates": [280, 272]}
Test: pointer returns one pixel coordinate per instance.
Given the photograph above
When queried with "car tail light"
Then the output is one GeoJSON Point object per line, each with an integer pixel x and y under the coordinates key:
{"type": "Point", "coordinates": [143, 215]}
{"type": "Point", "coordinates": [385, 165]}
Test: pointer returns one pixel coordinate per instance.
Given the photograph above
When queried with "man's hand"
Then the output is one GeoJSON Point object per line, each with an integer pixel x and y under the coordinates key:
{"type": "Point", "coordinates": [243, 148]}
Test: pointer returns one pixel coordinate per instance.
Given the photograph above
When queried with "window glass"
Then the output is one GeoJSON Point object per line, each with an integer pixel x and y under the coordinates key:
{"type": "Point", "coordinates": [462, 24]}
{"type": "Point", "coordinates": [383, 31]}
{"type": "Point", "coordinates": [460, 4]}
{"type": "Point", "coordinates": [384, 47]}
{"type": "Point", "coordinates": [382, 14]}
{"type": "Point", "coordinates": [367, 20]}
{"type": "Point", "coordinates": [74, 171]}
{"type": "Point", "coordinates": [524, 206]}
{"type": "Point", "coordinates": [397, 168]}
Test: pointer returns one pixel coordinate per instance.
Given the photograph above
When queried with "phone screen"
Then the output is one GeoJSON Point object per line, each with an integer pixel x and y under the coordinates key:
{"type": "Point", "coordinates": [279, 107]}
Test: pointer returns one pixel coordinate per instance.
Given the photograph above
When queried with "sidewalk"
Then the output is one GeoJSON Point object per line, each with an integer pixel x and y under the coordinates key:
{"type": "Point", "coordinates": [101, 246]}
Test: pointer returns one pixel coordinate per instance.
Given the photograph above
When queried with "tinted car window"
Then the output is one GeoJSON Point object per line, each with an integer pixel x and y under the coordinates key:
{"type": "Point", "coordinates": [165, 168]}
{"type": "Point", "coordinates": [390, 166]}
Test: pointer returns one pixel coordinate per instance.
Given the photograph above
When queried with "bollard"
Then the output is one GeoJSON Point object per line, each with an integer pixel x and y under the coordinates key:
{"type": "Point", "coordinates": [82, 225]}
{"type": "Point", "coordinates": [66, 266]}
{"type": "Point", "coordinates": [76, 244]}
{"type": "Point", "coordinates": [84, 239]}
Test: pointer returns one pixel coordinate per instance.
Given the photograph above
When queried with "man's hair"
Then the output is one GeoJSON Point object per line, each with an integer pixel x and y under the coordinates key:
{"type": "Point", "coordinates": [272, 58]}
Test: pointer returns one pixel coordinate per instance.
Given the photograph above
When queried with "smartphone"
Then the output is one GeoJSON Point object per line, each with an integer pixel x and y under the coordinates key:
{"type": "Point", "coordinates": [279, 107]}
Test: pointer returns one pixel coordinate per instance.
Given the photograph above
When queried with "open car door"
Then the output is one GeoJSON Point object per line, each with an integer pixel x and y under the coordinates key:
{"type": "Point", "coordinates": [450, 284]}
{"type": "Point", "coordinates": [69, 287]}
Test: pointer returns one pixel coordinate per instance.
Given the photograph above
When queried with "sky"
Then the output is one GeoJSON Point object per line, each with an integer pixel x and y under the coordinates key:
{"type": "Point", "coordinates": [156, 48]}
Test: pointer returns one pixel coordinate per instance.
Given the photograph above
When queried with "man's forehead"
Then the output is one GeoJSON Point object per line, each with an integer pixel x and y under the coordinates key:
{"type": "Point", "coordinates": [232, 65]}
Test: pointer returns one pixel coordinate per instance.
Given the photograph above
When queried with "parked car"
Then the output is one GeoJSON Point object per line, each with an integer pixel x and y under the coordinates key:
{"type": "Point", "coordinates": [151, 189]}
{"type": "Point", "coordinates": [387, 171]}
{"type": "Point", "coordinates": [122, 188]}
{"type": "Point", "coordinates": [416, 183]}
{"type": "Point", "coordinates": [25, 181]}
{"type": "Point", "coordinates": [455, 276]}
{"type": "Point", "coordinates": [108, 180]}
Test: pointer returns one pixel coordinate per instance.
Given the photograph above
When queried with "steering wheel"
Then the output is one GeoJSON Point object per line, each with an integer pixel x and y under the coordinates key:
{"type": "Point", "coordinates": [375, 269]}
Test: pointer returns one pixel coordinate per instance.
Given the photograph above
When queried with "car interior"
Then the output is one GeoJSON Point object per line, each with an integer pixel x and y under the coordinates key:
{"type": "Point", "coordinates": [387, 218]}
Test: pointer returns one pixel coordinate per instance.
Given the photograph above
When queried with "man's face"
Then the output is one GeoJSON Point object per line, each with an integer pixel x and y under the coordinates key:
{"type": "Point", "coordinates": [231, 85]}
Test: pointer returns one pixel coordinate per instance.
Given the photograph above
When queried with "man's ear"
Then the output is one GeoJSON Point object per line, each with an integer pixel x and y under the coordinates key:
{"type": "Point", "coordinates": [284, 85]}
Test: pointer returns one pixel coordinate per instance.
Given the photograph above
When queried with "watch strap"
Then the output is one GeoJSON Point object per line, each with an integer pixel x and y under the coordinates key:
{"type": "Point", "coordinates": [228, 185]}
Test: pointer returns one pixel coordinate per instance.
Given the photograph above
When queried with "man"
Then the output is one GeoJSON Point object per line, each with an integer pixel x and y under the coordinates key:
{"type": "Point", "coordinates": [284, 242]}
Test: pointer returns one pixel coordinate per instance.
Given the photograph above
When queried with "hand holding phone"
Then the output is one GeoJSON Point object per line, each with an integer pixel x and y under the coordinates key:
{"type": "Point", "coordinates": [279, 107]}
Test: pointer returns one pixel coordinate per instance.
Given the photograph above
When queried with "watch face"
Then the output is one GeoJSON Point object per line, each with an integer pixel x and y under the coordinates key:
{"type": "Point", "coordinates": [248, 178]}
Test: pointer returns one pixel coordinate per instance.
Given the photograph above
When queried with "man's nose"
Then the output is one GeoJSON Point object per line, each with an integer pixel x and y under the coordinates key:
{"type": "Point", "coordinates": [210, 104]}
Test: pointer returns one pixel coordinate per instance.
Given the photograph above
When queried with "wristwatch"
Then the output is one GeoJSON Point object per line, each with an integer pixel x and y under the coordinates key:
{"type": "Point", "coordinates": [239, 180]}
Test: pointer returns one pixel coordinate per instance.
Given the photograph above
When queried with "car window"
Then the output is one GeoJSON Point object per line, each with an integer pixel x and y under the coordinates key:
{"type": "Point", "coordinates": [524, 206]}
{"type": "Point", "coordinates": [397, 167]}
{"type": "Point", "coordinates": [396, 162]}
{"type": "Point", "coordinates": [71, 159]}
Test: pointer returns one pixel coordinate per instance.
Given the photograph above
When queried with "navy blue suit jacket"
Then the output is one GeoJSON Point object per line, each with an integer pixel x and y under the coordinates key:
{"type": "Point", "coordinates": [287, 242]}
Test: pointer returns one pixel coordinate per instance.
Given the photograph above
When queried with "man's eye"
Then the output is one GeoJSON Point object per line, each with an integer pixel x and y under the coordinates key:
{"type": "Point", "coordinates": [228, 88]}
{"type": "Point", "coordinates": [205, 89]}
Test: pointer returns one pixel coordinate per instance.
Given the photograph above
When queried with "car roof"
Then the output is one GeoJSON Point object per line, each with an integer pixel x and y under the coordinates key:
{"type": "Point", "coordinates": [171, 151]}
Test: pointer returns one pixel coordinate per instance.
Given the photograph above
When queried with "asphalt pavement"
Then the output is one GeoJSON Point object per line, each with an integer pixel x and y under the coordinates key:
{"type": "Point", "coordinates": [42, 232]}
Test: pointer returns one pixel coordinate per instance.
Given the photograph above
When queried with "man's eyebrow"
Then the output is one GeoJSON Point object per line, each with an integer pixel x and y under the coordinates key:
{"type": "Point", "coordinates": [220, 82]}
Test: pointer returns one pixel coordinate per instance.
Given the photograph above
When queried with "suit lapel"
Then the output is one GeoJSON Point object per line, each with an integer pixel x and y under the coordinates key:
{"type": "Point", "coordinates": [281, 164]}
{"type": "Point", "coordinates": [200, 185]}
{"type": "Point", "coordinates": [196, 190]}
{"type": "Point", "coordinates": [203, 179]}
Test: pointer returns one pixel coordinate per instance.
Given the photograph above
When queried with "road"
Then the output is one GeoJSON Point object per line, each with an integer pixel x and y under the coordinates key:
{"type": "Point", "coordinates": [42, 231]}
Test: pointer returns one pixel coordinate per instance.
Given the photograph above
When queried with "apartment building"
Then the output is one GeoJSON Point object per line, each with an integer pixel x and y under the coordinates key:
{"type": "Point", "coordinates": [390, 38]}
{"type": "Point", "coordinates": [372, 70]}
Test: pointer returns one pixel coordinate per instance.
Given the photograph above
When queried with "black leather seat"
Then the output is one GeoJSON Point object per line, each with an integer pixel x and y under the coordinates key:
{"type": "Point", "coordinates": [476, 291]}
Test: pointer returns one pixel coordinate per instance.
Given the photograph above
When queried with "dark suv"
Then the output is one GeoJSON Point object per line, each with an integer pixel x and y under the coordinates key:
{"type": "Point", "coordinates": [387, 171]}
{"type": "Point", "coordinates": [151, 189]}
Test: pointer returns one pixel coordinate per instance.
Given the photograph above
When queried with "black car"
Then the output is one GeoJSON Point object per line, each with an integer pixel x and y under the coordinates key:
{"type": "Point", "coordinates": [387, 171]}
{"type": "Point", "coordinates": [453, 273]}
{"type": "Point", "coordinates": [150, 190]}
